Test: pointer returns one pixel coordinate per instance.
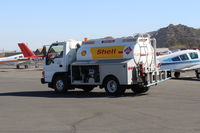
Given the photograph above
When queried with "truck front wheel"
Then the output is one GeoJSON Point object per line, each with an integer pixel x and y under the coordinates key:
{"type": "Point", "coordinates": [139, 89]}
{"type": "Point", "coordinates": [112, 87]}
{"type": "Point", "coordinates": [59, 84]}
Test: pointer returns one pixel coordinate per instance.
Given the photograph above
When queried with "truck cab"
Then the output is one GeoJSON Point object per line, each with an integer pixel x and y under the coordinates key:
{"type": "Point", "coordinates": [58, 58]}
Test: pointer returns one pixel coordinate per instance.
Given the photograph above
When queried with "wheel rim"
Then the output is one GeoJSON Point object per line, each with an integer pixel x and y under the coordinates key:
{"type": "Point", "coordinates": [112, 86]}
{"type": "Point", "coordinates": [59, 85]}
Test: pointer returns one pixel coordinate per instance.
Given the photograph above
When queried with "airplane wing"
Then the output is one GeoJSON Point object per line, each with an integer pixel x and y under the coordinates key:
{"type": "Point", "coordinates": [192, 68]}
{"type": "Point", "coordinates": [12, 61]}
{"type": "Point", "coordinates": [8, 61]}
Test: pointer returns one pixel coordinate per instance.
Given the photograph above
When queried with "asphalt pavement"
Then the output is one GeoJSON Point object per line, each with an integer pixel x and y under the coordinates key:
{"type": "Point", "coordinates": [27, 106]}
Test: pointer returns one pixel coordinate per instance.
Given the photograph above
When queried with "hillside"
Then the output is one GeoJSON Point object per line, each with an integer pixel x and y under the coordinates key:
{"type": "Point", "coordinates": [177, 36]}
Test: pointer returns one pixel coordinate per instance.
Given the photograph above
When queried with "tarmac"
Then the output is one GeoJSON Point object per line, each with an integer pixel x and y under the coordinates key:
{"type": "Point", "coordinates": [27, 106]}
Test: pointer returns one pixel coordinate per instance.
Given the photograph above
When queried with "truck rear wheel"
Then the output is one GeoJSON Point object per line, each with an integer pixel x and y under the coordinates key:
{"type": "Point", "coordinates": [112, 87]}
{"type": "Point", "coordinates": [139, 89]}
{"type": "Point", "coordinates": [59, 84]}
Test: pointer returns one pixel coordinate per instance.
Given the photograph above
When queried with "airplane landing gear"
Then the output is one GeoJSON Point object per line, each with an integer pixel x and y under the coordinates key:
{"type": "Point", "coordinates": [18, 66]}
{"type": "Point", "coordinates": [177, 75]}
{"type": "Point", "coordinates": [197, 74]}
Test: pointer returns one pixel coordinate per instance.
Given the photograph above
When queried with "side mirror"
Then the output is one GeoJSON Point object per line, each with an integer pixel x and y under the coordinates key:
{"type": "Point", "coordinates": [44, 52]}
{"type": "Point", "coordinates": [77, 46]}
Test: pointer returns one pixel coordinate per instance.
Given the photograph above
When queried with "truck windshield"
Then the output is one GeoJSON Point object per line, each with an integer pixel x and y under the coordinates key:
{"type": "Point", "coordinates": [55, 51]}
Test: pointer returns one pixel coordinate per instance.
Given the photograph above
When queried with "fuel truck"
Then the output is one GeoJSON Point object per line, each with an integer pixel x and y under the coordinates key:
{"type": "Point", "coordinates": [115, 64]}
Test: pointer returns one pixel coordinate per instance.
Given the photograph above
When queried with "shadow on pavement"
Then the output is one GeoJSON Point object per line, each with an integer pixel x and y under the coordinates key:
{"type": "Point", "coordinates": [187, 78]}
{"type": "Point", "coordinates": [70, 94]}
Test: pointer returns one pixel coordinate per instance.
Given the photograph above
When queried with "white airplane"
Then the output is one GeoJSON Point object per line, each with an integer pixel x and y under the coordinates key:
{"type": "Point", "coordinates": [181, 61]}
{"type": "Point", "coordinates": [14, 60]}
{"type": "Point", "coordinates": [22, 59]}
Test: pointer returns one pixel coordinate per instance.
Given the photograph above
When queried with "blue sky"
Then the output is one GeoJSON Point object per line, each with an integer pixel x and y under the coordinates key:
{"type": "Point", "coordinates": [39, 22]}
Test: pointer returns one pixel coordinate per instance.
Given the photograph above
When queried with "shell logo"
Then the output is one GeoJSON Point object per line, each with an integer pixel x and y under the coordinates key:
{"type": "Point", "coordinates": [83, 53]}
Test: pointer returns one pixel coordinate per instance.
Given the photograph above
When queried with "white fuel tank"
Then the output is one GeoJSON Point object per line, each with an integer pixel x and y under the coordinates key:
{"type": "Point", "coordinates": [140, 50]}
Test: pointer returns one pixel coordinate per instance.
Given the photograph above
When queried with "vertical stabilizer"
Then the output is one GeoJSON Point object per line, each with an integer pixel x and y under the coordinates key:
{"type": "Point", "coordinates": [25, 50]}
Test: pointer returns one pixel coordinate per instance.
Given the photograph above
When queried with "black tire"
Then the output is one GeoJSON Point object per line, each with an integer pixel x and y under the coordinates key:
{"type": "Point", "coordinates": [139, 89]}
{"type": "Point", "coordinates": [59, 84]}
{"type": "Point", "coordinates": [18, 67]}
{"type": "Point", "coordinates": [177, 75]}
{"type": "Point", "coordinates": [36, 66]}
{"type": "Point", "coordinates": [197, 75]}
{"type": "Point", "coordinates": [26, 66]}
{"type": "Point", "coordinates": [112, 87]}
{"type": "Point", "coordinates": [87, 89]}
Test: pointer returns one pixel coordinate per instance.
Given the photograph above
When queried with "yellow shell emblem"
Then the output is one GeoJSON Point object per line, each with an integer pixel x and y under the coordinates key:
{"type": "Point", "coordinates": [83, 53]}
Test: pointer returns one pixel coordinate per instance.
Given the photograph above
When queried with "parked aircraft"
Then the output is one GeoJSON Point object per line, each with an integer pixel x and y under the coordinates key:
{"type": "Point", "coordinates": [36, 59]}
{"type": "Point", "coordinates": [22, 59]}
{"type": "Point", "coordinates": [15, 60]}
{"type": "Point", "coordinates": [181, 61]}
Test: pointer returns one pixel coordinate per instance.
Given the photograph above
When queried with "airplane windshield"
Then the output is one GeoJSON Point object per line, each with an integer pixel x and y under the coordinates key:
{"type": "Point", "coordinates": [194, 55]}
{"type": "Point", "coordinates": [184, 57]}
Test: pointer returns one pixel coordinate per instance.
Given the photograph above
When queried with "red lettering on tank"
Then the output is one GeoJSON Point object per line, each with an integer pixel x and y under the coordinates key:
{"type": "Point", "coordinates": [99, 51]}
{"type": "Point", "coordinates": [103, 51]}
{"type": "Point", "coordinates": [120, 52]}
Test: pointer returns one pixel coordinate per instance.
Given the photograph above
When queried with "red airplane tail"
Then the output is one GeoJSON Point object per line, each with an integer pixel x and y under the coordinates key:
{"type": "Point", "coordinates": [25, 50]}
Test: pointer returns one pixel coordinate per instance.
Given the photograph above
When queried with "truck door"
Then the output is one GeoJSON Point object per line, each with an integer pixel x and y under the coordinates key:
{"type": "Point", "coordinates": [54, 61]}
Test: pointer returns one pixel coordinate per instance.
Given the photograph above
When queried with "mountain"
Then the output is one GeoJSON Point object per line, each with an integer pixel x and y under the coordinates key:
{"type": "Point", "coordinates": [177, 36]}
